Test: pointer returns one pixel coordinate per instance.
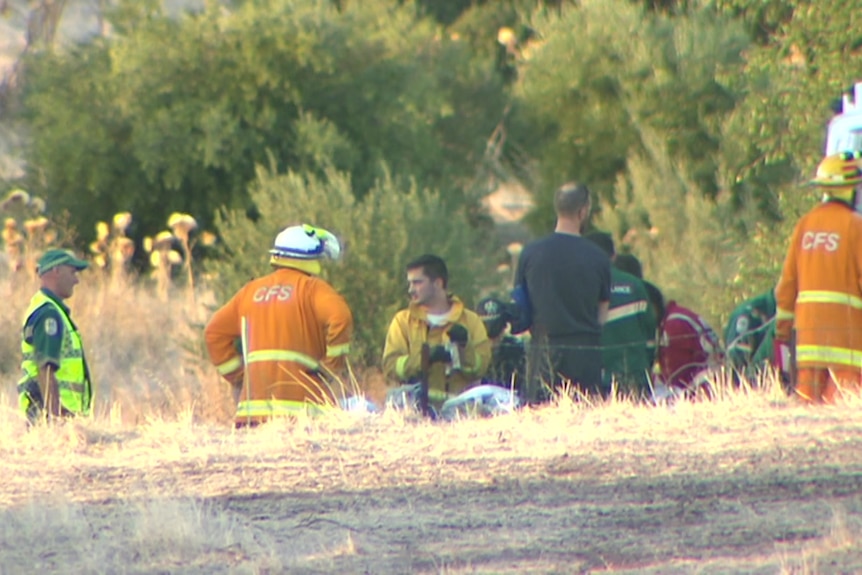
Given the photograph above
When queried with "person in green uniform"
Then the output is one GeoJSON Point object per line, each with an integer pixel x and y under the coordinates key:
{"type": "Point", "coordinates": [630, 328]}
{"type": "Point", "coordinates": [56, 379]}
{"type": "Point", "coordinates": [748, 328]}
{"type": "Point", "coordinates": [508, 359]}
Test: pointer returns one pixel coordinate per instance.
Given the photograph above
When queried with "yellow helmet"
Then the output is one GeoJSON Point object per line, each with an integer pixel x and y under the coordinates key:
{"type": "Point", "coordinates": [839, 174]}
{"type": "Point", "coordinates": [839, 171]}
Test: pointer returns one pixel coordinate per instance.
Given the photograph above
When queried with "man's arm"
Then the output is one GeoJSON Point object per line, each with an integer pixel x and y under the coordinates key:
{"type": "Point", "coordinates": [857, 253]}
{"type": "Point", "coordinates": [220, 335]}
{"type": "Point", "coordinates": [786, 291]}
{"type": "Point", "coordinates": [522, 320]}
{"type": "Point", "coordinates": [476, 354]}
{"type": "Point", "coordinates": [336, 321]}
{"type": "Point", "coordinates": [647, 323]}
{"type": "Point", "coordinates": [604, 290]}
{"type": "Point", "coordinates": [46, 335]}
{"type": "Point", "coordinates": [603, 312]}
{"type": "Point", "coordinates": [402, 359]}
{"type": "Point", "coordinates": [50, 389]}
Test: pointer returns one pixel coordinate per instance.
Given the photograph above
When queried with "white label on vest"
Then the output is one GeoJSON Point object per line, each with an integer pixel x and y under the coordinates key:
{"type": "Point", "coordinates": [51, 326]}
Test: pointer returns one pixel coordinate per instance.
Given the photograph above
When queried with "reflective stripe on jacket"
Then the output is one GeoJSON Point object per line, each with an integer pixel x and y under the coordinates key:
{"type": "Point", "coordinates": [820, 291]}
{"type": "Point", "coordinates": [75, 389]}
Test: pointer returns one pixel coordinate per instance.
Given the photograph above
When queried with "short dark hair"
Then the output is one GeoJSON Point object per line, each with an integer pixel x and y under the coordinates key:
{"type": "Point", "coordinates": [604, 240]}
{"type": "Point", "coordinates": [432, 266]}
{"type": "Point", "coordinates": [630, 264]}
{"type": "Point", "coordinates": [570, 198]}
{"type": "Point", "coordinates": [656, 298]}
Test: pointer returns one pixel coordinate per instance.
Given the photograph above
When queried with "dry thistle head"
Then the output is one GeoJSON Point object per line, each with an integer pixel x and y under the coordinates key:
{"type": "Point", "coordinates": [38, 205]}
{"type": "Point", "coordinates": [11, 236]}
{"type": "Point", "coordinates": [207, 239]}
{"type": "Point", "coordinates": [102, 231]}
{"type": "Point", "coordinates": [100, 260]}
{"type": "Point", "coordinates": [163, 241]}
{"type": "Point", "coordinates": [515, 248]}
{"type": "Point", "coordinates": [36, 225]}
{"type": "Point", "coordinates": [167, 258]}
{"type": "Point", "coordinates": [16, 197]}
{"type": "Point", "coordinates": [506, 36]}
{"type": "Point", "coordinates": [124, 249]}
{"type": "Point", "coordinates": [97, 247]}
{"type": "Point", "coordinates": [182, 225]}
{"type": "Point", "coordinates": [121, 222]}
{"type": "Point", "coordinates": [50, 236]}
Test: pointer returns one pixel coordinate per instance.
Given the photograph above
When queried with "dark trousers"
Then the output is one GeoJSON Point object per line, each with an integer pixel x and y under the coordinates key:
{"type": "Point", "coordinates": [554, 362]}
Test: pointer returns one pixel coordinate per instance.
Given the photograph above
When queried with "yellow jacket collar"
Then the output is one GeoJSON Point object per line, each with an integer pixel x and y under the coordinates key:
{"type": "Point", "coordinates": [456, 308]}
{"type": "Point", "coordinates": [308, 266]}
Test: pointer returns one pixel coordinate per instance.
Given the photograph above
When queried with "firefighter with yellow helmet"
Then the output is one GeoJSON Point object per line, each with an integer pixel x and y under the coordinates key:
{"type": "Point", "coordinates": [820, 290]}
{"type": "Point", "coordinates": [294, 328]}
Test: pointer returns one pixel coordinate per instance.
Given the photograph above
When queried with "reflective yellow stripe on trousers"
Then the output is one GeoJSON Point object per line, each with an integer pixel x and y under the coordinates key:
{"type": "Point", "coordinates": [836, 297]}
{"type": "Point", "coordinates": [277, 408]}
{"type": "Point", "coordinates": [283, 355]}
{"type": "Point", "coordinates": [827, 354]}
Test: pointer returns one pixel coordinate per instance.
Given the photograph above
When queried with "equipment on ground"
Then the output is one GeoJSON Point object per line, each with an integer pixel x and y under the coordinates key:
{"type": "Point", "coordinates": [480, 401]}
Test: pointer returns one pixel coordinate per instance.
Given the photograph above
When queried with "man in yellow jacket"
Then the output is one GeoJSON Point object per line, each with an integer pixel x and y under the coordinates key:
{"type": "Point", "coordinates": [460, 351]}
{"type": "Point", "coordinates": [294, 330]}
{"type": "Point", "coordinates": [820, 291]}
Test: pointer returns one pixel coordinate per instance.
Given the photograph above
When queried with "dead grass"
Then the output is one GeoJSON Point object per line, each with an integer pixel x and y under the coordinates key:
{"type": "Point", "coordinates": [158, 482]}
{"type": "Point", "coordinates": [750, 483]}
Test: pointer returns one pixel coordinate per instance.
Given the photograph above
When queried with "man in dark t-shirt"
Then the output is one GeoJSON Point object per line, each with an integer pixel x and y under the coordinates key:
{"type": "Point", "coordinates": [564, 282]}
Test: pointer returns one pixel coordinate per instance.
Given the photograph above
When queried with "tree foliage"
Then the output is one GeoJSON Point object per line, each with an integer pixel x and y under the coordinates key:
{"type": "Point", "coordinates": [679, 232]}
{"type": "Point", "coordinates": [608, 72]}
{"type": "Point", "coordinates": [171, 114]}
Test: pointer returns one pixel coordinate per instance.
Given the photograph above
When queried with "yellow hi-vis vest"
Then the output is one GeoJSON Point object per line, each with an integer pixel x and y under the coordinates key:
{"type": "Point", "coordinates": [75, 389]}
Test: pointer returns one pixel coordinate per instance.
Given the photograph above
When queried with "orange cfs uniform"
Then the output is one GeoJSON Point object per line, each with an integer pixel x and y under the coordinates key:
{"type": "Point", "coordinates": [298, 331]}
{"type": "Point", "coordinates": [820, 292]}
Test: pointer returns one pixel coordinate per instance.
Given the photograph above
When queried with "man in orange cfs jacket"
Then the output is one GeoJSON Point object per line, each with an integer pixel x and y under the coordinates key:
{"type": "Point", "coordinates": [820, 291]}
{"type": "Point", "coordinates": [294, 330]}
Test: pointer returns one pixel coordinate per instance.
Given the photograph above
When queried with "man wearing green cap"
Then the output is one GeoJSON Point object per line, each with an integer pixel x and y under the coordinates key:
{"type": "Point", "coordinates": [56, 378]}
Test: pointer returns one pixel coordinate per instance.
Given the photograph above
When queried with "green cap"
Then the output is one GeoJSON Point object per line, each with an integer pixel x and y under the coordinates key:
{"type": "Point", "coordinates": [56, 257]}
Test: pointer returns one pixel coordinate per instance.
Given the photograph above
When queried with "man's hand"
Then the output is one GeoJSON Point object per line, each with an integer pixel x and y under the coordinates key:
{"type": "Point", "coordinates": [439, 354]}
{"type": "Point", "coordinates": [50, 389]}
{"type": "Point", "coordinates": [235, 379]}
{"type": "Point", "coordinates": [458, 334]}
{"type": "Point", "coordinates": [783, 329]}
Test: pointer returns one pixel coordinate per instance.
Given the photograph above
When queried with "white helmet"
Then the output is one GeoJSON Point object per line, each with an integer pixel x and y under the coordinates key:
{"type": "Point", "coordinates": [305, 242]}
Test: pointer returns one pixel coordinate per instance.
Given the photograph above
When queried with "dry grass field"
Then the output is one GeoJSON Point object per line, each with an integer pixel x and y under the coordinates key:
{"type": "Point", "coordinates": [158, 481]}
